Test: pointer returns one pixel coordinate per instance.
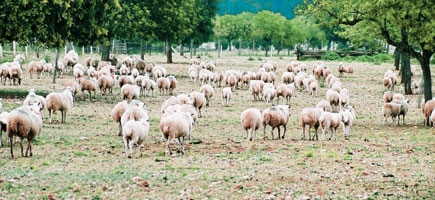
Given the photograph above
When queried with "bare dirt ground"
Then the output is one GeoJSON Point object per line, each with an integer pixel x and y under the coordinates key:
{"type": "Point", "coordinates": [85, 158]}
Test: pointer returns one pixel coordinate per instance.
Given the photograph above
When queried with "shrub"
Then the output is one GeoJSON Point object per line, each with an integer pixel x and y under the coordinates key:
{"type": "Point", "coordinates": [330, 55]}
{"type": "Point", "coordinates": [432, 61]}
{"type": "Point", "coordinates": [348, 58]}
{"type": "Point", "coordinates": [47, 59]}
{"type": "Point", "coordinates": [250, 58]}
{"type": "Point", "coordinates": [383, 58]}
{"type": "Point", "coordinates": [260, 59]}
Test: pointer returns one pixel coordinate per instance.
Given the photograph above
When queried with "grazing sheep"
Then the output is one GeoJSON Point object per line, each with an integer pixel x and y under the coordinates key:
{"type": "Point", "coordinates": [106, 82]}
{"type": "Point", "coordinates": [388, 96]}
{"type": "Point", "coordinates": [398, 97]}
{"type": "Point", "coordinates": [314, 87]}
{"type": "Point", "coordinates": [269, 94]}
{"type": "Point", "coordinates": [324, 105]}
{"type": "Point", "coordinates": [117, 113]}
{"type": "Point", "coordinates": [432, 118]}
{"type": "Point", "coordinates": [333, 98]}
{"type": "Point", "coordinates": [188, 108]}
{"type": "Point", "coordinates": [135, 111]}
{"type": "Point", "coordinates": [169, 102]}
{"type": "Point", "coordinates": [135, 73]}
{"type": "Point", "coordinates": [80, 67]}
{"type": "Point", "coordinates": [60, 68]}
{"type": "Point", "coordinates": [429, 106]}
{"type": "Point", "coordinates": [184, 99]}
{"type": "Point", "coordinates": [275, 117]}
{"type": "Point", "coordinates": [251, 122]}
{"type": "Point", "coordinates": [344, 97]}
{"type": "Point", "coordinates": [164, 85]}
{"type": "Point", "coordinates": [347, 119]}
{"type": "Point", "coordinates": [60, 102]}
{"type": "Point", "coordinates": [24, 122]}
{"type": "Point", "coordinates": [210, 66]}
{"type": "Point", "coordinates": [15, 73]}
{"type": "Point", "coordinates": [329, 78]}
{"type": "Point", "coordinates": [89, 85]}
{"type": "Point", "coordinates": [192, 76]}
{"type": "Point", "coordinates": [288, 77]}
{"type": "Point", "coordinates": [123, 80]}
{"type": "Point", "coordinates": [285, 91]}
{"type": "Point", "coordinates": [3, 124]}
{"type": "Point", "coordinates": [173, 84]}
{"type": "Point", "coordinates": [256, 87]}
{"type": "Point", "coordinates": [337, 87]}
{"type": "Point", "coordinates": [176, 126]}
{"type": "Point", "coordinates": [141, 66]}
{"type": "Point", "coordinates": [135, 132]}
{"type": "Point", "coordinates": [35, 67]}
{"type": "Point", "coordinates": [129, 92]}
{"type": "Point", "coordinates": [198, 100]}
{"type": "Point", "coordinates": [32, 99]}
{"type": "Point", "coordinates": [78, 75]}
{"type": "Point", "coordinates": [128, 62]}
{"type": "Point", "coordinates": [349, 69]}
{"type": "Point", "coordinates": [341, 69]}
{"type": "Point", "coordinates": [330, 121]}
{"type": "Point", "coordinates": [48, 67]}
{"type": "Point", "coordinates": [333, 81]}
{"type": "Point", "coordinates": [124, 70]}
{"type": "Point", "coordinates": [415, 87]}
{"type": "Point", "coordinates": [310, 117]}
{"type": "Point", "coordinates": [194, 61]}
{"type": "Point", "coordinates": [4, 73]}
{"type": "Point", "coordinates": [391, 110]}
{"type": "Point", "coordinates": [299, 79]}
{"type": "Point", "coordinates": [226, 96]}
{"type": "Point", "coordinates": [208, 92]}
{"type": "Point", "coordinates": [148, 85]}
{"type": "Point", "coordinates": [404, 109]}
{"type": "Point", "coordinates": [232, 82]}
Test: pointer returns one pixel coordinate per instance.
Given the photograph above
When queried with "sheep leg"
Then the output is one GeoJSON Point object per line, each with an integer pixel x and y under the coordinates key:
{"type": "Point", "coordinates": [28, 147]}
{"type": "Point", "coordinates": [21, 145]}
{"type": "Point", "coordinates": [398, 120]}
{"type": "Point", "coordinates": [271, 132]}
{"type": "Point", "coordinates": [125, 145]}
{"type": "Point", "coordinates": [317, 136]}
{"type": "Point", "coordinates": [49, 115]}
{"type": "Point", "coordinates": [120, 128]}
{"type": "Point", "coordinates": [11, 142]}
{"type": "Point", "coordinates": [264, 132]}
{"type": "Point", "coordinates": [285, 129]}
{"type": "Point", "coordinates": [323, 133]}
{"type": "Point", "coordinates": [228, 101]}
{"type": "Point", "coordinates": [182, 145]}
{"type": "Point", "coordinates": [168, 150]}
{"type": "Point", "coordinates": [309, 133]}
{"type": "Point", "coordinates": [279, 133]}
{"type": "Point", "coordinates": [130, 149]}
{"type": "Point", "coordinates": [303, 132]}
{"type": "Point", "coordinates": [403, 120]}
{"type": "Point", "coordinates": [332, 132]}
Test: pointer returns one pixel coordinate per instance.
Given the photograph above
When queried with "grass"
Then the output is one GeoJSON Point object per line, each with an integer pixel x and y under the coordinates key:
{"type": "Point", "coordinates": [65, 166]}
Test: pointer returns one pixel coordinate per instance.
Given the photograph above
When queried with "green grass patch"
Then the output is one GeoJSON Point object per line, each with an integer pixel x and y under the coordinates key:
{"type": "Point", "coordinates": [308, 154]}
{"type": "Point", "coordinates": [19, 93]}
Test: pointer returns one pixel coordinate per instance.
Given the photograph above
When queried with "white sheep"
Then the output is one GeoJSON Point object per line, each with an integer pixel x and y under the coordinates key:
{"type": "Point", "coordinates": [129, 91]}
{"type": "Point", "coordinates": [135, 132]}
{"type": "Point", "coordinates": [347, 119]}
{"type": "Point", "coordinates": [330, 121]}
{"type": "Point", "coordinates": [275, 117]}
{"type": "Point", "coordinates": [117, 113]}
{"type": "Point", "coordinates": [251, 122]}
{"type": "Point", "coordinates": [176, 126]}
{"type": "Point", "coordinates": [226, 96]}
{"type": "Point", "coordinates": [310, 117]}
{"type": "Point", "coordinates": [60, 102]}
{"type": "Point", "coordinates": [135, 111]}
{"type": "Point", "coordinates": [208, 92]}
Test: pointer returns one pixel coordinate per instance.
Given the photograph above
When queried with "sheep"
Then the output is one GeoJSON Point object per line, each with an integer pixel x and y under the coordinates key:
{"type": "Point", "coordinates": [289, 67]}
{"type": "Point", "coordinates": [203, 76]}
{"type": "Point", "coordinates": [148, 85]}
{"type": "Point", "coordinates": [333, 81]}
{"type": "Point", "coordinates": [24, 122]}
{"type": "Point", "coordinates": [117, 113]}
{"type": "Point", "coordinates": [48, 67]}
{"type": "Point", "coordinates": [429, 106]}
{"type": "Point", "coordinates": [177, 125]}
{"type": "Point", "coordinates": [299, 78]}
{"type": "Point", "coordinates": [15, 73]}
{"type": "Point", "coordinates": [285, 91]}
{"type": "Point", "coordinates": [210, 66]}
{"type": "Point", "coordinates": [173, 84]}
{"type": "Point", "coordinates": [398, 97]}
{"type": "Point", "coordinates": [188, 108]}
{"type": "Point", "coordinates": [324, 105]}
{"type": "Point", "coordinates": [391, 110]}
{"type": "Point", "coordinates": [404, 108]}
{"type": "Point", "coordinates": [192, 76]}
{"type": "Point", "coordinates": [208, 92]}
{"type": "Point", "coordinates": [32, 99]}
{"type": "Point", "coordinates": [251, 122]}
{"type": "Point", "coordinates": [194, 61]}
{"type": "Point", "coordinates": [388, 96]}
{"type": "Point", "coordinates": [135, 73]}
{"type": "Point", "coordinates": [135, 111]}
{"type": "Point", "coordinates": [124, 70]}
{"type": "Point", "coordinates": [35, 67]}
{"type": "Point", "coordinates": [415, 87]}
{"type": "Point", "coordinates": [330, 121]}
{"type": "Point", "coordinates": [184, 99]}
{"type": "Point", "coordinates": [333, 98]}
{"type": "Point", "coordinates": [341, 69]}
{"type": "Point", "coordinates": [329, 78]}
{"type": "Point", "coordinates": [388, 84]}
{"type": "Point", "coordinates": [102, 64]}
{"type": "Point", "coordinates": [245, 80]}
{"type": "Point", "coordinates": [129, 92]}
{"type": "Point", "coordinates": [226, 96]}
{"type": "Point", "coordinates": [123, 80]}
{"type": "Point", "coordinates": [60, 102]}
{"type": "Point", "coordinates": [256, 87]}
{"type": "Point", "coordinates": [78, 75]}
{"type": "Point", "coordinates": [198, 100]}
{"type": "Point", "coordinates": [344, 97]}
{"type": "Point", "coordinates": [135, 132]}
{"type": "Point", "coordinates": [60, 68]}
{"type": "Point", "coordinates": [349, 69]}
{"type": "Point", "coordinates": [79, 66]}
{"type": "Point", "coordinates": [232, 82]}
{"type": "Point", "coordinates": [275, 117]}
{"type": "Point", "coordinates": [288, 77]}
{"type": "Point", "coordinates": [141, 66]}
{"type": "Point", "coordinates": [4, 73]}
{"type": "Point", "coordinates": [128, 62]}
{"type": "Point", "coordinates": [432, 117]}
{"type": "Point", "coordinates": [314, 87]}
{"type": "Point", "coordinates": [164, 85]}
{"type": "Point", "coordinates": [269, 94]}
{"type": "Point", "coordinates": [106, 82]}
{"type": "Point", "coordinates": [158, 72]}
{"type": "Point", "coordinates": [303, 67]}
{"type": "Point", "coordinates": [169, 102]}
{"type": "Point", "coordinates": [3, 124]}
{"type": "Point", "coordinates": [326, 73]}
{"type": "Point", "coordinates": [310, 117]}
{"type": "Point", "coordinates": [89, 85]}
{"type": "Point", "coordinates": [347, 119]}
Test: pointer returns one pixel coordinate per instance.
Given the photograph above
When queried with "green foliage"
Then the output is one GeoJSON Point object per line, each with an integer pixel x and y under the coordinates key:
{"type": "Point", "coordinates": [330, 55]}
{"type": "Point", "coordinates": [47, 58]}
{"type": "Point", "coordinates": [251, 58]}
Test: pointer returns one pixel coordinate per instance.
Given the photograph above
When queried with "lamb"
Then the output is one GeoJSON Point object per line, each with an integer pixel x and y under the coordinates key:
{"type": "Point", "coordinates": [135, 111]}
{"type": "Point", "coordinates": [347, 119]}
{"type": "Point", "coordinates": [193, 75]}
{"type": "Point", "coordinates": [89, 85]}
{"type": "Point", "coordinates": [330, 121]}
{"type": "Point", "coordinates": [333, 98]}
{"type": "Point", "coordinates": [428, 109]}
{"type": "Point", "coordinates": [78, 75]}
{"type": "Point", "coordinates": [269, 94]}
{"type": "Point", "coordinates": [32, 99]}
{"type": "Point", "coordinates": [310, 117]}
{"type": "Point", "coordinates": [48, 67]}
{"type": "Point", "coordinates": [106, 82]}
{"type": "Point", "coordinates": [198, 100]}
{"type": "Point", "coordinates": [208, 92]}
{"type": "Point", "coordinates": [314, 87]}
{"type": "Point", "coordinates": [135, 132]}
{"type": "Point", "coordinates": [129, 92]}
{"type": "Point", "coordinates": [169, 102]}
{"type": "Point", "coordinates": [15, 73]}
{"type": "Point", "coordinates": [285, 91]}
{"type": "Point", "coordinates": [164, 85]}
{"type": "Point", "coordinates": [148, 85]}
{"type": "Point", "coordinates": [344, 97]}
{"type": "Point", "coordinates": [117, 113]}
{"type": "Point", "coordinates": [251, 122]}
{"type": "Point", "coordinates": [24, 122]}
{"type": "Point", "coordinates": [275, 117]}
{"type": "Point", "coordinates": [124, 70]}
{"type": "Point", "coordinates": [388, 96]}
{"type": "Point", "coordinates": [177, 125]}
{"type": "Point", "coordinates": [59, 102]}
{"type": "Point", "coordinates": [173, 84]}
{"type": "Point", "coordinates": [256, 87]}
{"type": "Point", "coordinates": [324, 105]}
{"type": "Point", "coordinates": [391, 110]}
{"type": "Point", "coordinates": [4, 73]}
{"type": "Point", "coordinates": [288, 77]}
{"type": "Point", "coordinates": [3, 124]}
{"type": "Point", "coordinates": [135, 73]}
{"type": "Point", "coordinates": [226, 96]}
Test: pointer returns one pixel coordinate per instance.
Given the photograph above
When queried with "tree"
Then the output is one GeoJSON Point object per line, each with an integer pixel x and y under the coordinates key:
{"type": "Point", "coordinates": [408, 25]}
{"type": "Point", "coordinates": [269, 27]}
{"type": "Point", "coordinates": [230, 28]}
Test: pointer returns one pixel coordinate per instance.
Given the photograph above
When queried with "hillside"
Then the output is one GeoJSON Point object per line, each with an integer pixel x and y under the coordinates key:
{"type": "Point", "coordinates": [285, 7]}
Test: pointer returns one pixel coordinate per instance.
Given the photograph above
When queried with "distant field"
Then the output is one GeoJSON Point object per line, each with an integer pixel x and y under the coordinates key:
{"type": "Point", "coordinates": [85, 158]}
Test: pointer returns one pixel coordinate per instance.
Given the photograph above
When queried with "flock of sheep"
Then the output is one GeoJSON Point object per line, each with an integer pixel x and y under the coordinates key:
{"type": "Point", "coordinates": [137, 78]}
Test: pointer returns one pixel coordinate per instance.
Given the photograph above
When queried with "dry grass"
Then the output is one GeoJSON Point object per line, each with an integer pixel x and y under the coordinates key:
{"type": "Point", "coordinates": [85, 158]}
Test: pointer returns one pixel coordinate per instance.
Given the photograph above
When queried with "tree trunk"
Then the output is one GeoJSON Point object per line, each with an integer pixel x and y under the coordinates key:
{"type": "Point", "coordinates": [240, 47]}
{"type": "Point", "coordinates": [194, 50]}
{"type": "Point", "coordinates": [164, 47]}
{"type": "Point", "coordinates": [91, 49]}
{"type": "Point", "coordinates": [105, 52]}
{"type": "Point", "coordinates": [83, 50]}
{"type": "Point", "coordinates": [406, 73]}
{"type": "Point", "coordinates": [425, 67]}
{"type": "Point", "coordinates": [37, 52]}
{"type": "Point", "coordinates": [230, 44]}
{"type": "Point", "coordinates": [14, 47]}
{"type": "Point", "coordinates": [266, 50]}
{"type": "Point", "coordinates": [146, 47]}
{"type": "Point", "coordinates": [55, 65]}
{"type": "Point", "coordinates": [182, 49]}
{"type": "Point", "coordinates": [1, 51]}
{"type": "Point", "coordinates": [288, 51]}
{"type": "Point", "coordinates": [169, 53]}
{"type": "Point", "coordinates": [281, 44]}
{"type": "Point", "coordinates": [397, 58]}
{"type": "Point", "coordinates": [219, 47]}
{"type": "Point", "coordinates": [191, 49]}
{"type": "Point", "coordinates": [142, 53]}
